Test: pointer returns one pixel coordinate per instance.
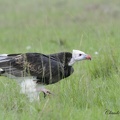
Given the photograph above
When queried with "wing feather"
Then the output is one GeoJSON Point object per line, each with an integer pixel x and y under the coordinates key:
{"type": "Point", "coordinates": [50, 68]}
{"type": "Point", "coordinates": [37, 64]}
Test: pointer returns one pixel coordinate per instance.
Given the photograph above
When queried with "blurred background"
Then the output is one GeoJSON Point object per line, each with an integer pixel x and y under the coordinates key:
{"type": "Point", "coordinates": [58, 25]}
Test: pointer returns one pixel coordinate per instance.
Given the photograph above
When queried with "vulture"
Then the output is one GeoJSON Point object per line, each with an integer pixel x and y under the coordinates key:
{"type": "Point", "coordinates": [33, 70]}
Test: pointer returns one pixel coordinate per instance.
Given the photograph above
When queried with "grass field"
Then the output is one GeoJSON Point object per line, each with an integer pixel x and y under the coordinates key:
{"type": "Point", "coordinates": [50, 26]}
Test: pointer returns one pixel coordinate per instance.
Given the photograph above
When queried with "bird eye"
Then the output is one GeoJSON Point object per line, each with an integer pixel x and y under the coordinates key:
{"type": "Point", "coordinates": [80, 54]}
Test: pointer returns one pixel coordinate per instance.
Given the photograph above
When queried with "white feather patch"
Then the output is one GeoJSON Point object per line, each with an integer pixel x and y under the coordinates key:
{"type": "Point", "coordinates": [29, 87]}
{"type": "Point", "coordinates": [3, 55]}
{"type": "Point", "coordinates": [1, 69]}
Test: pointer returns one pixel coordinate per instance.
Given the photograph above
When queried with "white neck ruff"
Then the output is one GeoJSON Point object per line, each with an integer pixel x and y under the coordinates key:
{"type": "Point", "coordinates": [72, 61]}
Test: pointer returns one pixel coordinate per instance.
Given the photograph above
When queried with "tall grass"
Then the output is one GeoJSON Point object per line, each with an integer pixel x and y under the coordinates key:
{"type": "Point", "coordinates": [106, 64]}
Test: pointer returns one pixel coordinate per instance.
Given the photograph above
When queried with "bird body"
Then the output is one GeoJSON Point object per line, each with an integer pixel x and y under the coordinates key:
{"type": "Point", "coordinates": [47, 69]}
{"type": "Point", "coordinates": [36, 69]}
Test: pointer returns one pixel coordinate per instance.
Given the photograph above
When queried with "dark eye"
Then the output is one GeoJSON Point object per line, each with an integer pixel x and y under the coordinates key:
{"type": "Point", "coordinates": [80, 54]}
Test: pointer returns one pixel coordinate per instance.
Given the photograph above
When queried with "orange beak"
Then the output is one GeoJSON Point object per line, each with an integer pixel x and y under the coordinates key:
{"type": "Point", "coordinates": [88, 57]}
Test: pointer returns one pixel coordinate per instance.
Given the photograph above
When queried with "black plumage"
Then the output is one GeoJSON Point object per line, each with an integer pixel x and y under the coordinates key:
{"type": "Point", "coordinates": [48, 69]}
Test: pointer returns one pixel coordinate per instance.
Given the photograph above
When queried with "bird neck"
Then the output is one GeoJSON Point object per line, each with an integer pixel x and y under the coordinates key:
{"type": "Point", "coordinates": [72, 61]}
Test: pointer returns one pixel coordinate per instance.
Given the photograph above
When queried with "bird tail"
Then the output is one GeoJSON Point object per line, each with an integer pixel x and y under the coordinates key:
{"type": "Point", "coordinates": [5, 62]}
{"type": "Point", "coordinates": [6, 58]}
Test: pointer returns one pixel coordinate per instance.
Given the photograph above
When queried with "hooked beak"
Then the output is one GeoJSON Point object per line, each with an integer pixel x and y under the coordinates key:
{"type": "Point", "coordinates": [88, 57]}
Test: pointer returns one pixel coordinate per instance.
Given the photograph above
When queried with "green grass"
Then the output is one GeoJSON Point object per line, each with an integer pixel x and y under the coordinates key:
{"type": "Point", "coordinates": [54, 26]}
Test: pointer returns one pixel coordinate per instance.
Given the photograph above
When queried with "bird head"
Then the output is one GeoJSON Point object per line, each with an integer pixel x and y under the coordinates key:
{"type": "Point", "coordinates": [78, 55]}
